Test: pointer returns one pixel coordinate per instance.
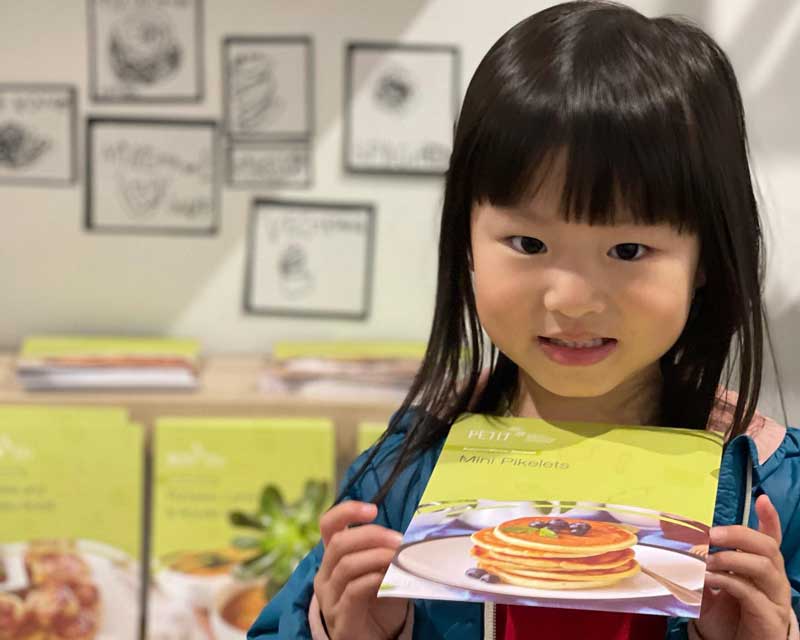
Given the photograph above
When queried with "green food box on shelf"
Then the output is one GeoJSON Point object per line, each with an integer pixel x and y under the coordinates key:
{"type": "Point", "coordinates": [236, 504]}
{"type": "Point", "coordinates": [58, 347]}
{"type": "Point", "coordinates": [70, 523]}
{"type": "Point", "coordinates": [48, 363]}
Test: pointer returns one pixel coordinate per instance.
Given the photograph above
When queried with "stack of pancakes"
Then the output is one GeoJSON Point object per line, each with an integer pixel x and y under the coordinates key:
{"type": "Point", "coordinates": [518, 552]}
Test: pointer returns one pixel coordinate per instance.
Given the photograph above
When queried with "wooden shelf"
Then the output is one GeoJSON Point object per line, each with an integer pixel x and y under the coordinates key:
{"type": "Point", "coordinates": [228, 387]}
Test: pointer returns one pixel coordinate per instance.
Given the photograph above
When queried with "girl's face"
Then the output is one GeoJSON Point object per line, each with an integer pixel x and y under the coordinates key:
{"type": "Point", "coordinates": [537, 277]}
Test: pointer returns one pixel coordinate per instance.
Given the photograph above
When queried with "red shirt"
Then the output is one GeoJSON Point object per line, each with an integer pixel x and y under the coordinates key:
{"type": "Point", "coordinates": [516, 622]}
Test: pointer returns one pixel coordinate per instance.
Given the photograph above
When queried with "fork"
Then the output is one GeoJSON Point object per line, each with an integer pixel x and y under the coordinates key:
{"type": "Point", "coordinates": [686, 596]}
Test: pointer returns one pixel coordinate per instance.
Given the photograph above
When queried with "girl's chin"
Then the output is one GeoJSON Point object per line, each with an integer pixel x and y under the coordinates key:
{"type": "Point", "coordinates": [575, 383]}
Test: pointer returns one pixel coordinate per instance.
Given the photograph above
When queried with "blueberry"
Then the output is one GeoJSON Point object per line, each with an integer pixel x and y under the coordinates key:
{"type": "Point", "coordinates": [475, 573]}
{"type": "Point", "coordinates": [537, 524]}
{"type": "Point", "coordinates": [489, 577]}
{"type": "Point", "coordinates": [579, 528]}
{"type": "Point", "coordinates": [557, 524]}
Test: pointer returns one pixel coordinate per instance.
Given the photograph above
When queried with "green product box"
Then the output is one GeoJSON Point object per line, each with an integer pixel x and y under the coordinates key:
{"type": "Point", "coordinates": [571, 515]}
{"type": "Point", "coordinates": [70, 524]}
{"type": "Point", "coordinates": [236, 505]}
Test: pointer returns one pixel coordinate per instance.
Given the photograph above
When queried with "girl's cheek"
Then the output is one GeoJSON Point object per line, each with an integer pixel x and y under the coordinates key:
{"type": "Point", "coordinates": [503, 294]}
{"type": "Point", "coordinates": [663, 298]}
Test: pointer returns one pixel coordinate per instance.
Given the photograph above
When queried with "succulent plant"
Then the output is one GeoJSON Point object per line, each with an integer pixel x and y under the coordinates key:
{"type": "Point", "coordinates": [281, 534]}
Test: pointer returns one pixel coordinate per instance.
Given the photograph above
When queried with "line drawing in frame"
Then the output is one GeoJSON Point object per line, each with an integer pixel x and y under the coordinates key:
{"type": "Point", "coordinates": [310, 259]}
{"type": "Point", "coordinates": [401, 101]}
{"type": "Point", "coordinates": [38, 134]}
{"type": "Point", "coordinates": [268, 107]}
{"type": "Point", "coordinates": [268, 164]}
{"type": "Point", "coordinates": [146, 51]}
{"type": "Point", "coordinates": [268, 87]}
{"type": "Point", "coordinates": [144, 177]}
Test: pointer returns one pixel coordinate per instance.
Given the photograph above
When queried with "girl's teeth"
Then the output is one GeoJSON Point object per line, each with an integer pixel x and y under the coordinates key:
{"type": "Point", "coordinates": [578, 345]}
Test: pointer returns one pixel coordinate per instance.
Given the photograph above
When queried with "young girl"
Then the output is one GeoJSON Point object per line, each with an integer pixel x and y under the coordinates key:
{"type": "Point", "coordinates": [599, 225]}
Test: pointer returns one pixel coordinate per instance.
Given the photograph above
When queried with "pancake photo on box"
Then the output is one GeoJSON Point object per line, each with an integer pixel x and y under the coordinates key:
{"type": "Point", "coordinates": [567, 559]}
{"type": "Point", "coordinates": [554, 553]}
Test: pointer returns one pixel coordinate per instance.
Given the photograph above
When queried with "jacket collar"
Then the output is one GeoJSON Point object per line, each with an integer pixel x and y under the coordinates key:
{"type": "Point", "coordinates": [736, 477]}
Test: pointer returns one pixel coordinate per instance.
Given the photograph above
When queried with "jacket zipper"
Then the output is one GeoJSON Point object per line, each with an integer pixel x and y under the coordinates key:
{"type": "Point", "coordinates": [489, 621]}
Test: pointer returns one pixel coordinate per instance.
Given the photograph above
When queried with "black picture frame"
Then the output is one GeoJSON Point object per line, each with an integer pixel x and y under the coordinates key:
{"type": "Point", "coordinates": [95, 93]}
{"type": "Point", "coordinates": [304, 41]}
{"type": "Point", "coordinates": [71, 174]}
{"type": "Point", "coordinates": [351, 51]}
{"type": "Point", "coordinates": [249, 308]}
{"type": "Point", "coordinates": [91, 225]}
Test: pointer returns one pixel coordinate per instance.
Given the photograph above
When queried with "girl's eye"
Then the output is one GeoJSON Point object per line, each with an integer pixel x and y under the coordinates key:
{"type": "Point", "coordinates": [527, 245]}
{"type": "Point", "coordinates": [628, 251]}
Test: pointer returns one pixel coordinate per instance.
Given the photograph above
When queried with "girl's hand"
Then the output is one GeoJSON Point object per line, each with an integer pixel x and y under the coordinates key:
{"type": "Point", "coordinates": [353, 566]}
{"type": "Point", "coordinates": [753, 601]}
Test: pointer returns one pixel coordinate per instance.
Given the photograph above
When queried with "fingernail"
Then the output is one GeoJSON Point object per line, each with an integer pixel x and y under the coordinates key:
{"type": "Point", "coordinates": [397, 537]}
{"type": "Point", "coordinates": [717, 534]}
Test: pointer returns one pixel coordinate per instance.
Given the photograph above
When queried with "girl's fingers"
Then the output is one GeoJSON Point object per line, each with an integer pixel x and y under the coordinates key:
{"type": "Point", "coordinates": [769, 522]}
{"type": "Point", "coordinates": [355, 565]}
{"type": "Point", "coordinates": [749, 541]}
{"type": "Point", "coordinates": [361, 590]}
{"type": "Point", "coordinates": [750, 598]}
{"type": "Point", "coordinates": [344, 515]}
{"type": "Point", "coordinates": [347, 541]}
{"type": "Point", "coordinates": [355, 596]}
{"type": "Point", "coordinates": [759, 570]}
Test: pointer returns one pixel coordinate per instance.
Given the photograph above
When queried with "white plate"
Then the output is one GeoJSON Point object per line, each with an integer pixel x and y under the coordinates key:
{"type": "Point", "coordinates": [637, 516]}
{"type": "Point", "coordinates": [445, 561]}
{"type": "Point", "coordinates": [116, 575]}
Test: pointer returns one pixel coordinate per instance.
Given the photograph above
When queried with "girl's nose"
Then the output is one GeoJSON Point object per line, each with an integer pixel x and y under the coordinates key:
{"type": "Point", "coordinates": [573, 295]}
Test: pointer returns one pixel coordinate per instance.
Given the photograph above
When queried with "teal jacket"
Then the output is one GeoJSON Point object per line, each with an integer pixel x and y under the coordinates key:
{"type": "Point", "coordinates": [741, 480]}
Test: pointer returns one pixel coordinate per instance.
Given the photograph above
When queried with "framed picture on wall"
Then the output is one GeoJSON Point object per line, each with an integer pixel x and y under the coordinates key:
{"type": "Point", "coordinates": [146, 50]}
{"type": "Point", "coordinates": [269, 164]}
{"type": "Point", "coordinates": [310, 259]}
{"type": "Point", "coordinates": [269, 110]}
{"type": "Point", "coordinates": [37, 134]}
{"type": "Point", "coordinates": [152, 176]}
{"type": "Point", "coordinates": [401, 102]}
{"type": "Point", "coordinates": [268, 90]}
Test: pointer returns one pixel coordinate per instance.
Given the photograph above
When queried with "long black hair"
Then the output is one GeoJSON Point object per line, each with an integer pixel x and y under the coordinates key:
{"type": "Point", "coordinates": [649, 114]}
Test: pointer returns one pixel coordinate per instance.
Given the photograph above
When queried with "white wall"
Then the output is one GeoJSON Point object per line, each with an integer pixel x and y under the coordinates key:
{"type": "Point", "coordinates": [55, 277]}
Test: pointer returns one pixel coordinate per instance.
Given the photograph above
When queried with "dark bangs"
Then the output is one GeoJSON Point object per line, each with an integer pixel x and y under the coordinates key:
{"type": "Point", "coordinates": [611, 106]}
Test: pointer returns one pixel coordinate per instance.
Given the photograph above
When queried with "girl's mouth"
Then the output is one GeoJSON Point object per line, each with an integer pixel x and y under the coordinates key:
{"type": "Point", "coordinates": [577, 353]}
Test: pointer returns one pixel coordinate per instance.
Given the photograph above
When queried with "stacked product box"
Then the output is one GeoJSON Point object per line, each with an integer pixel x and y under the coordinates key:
{"type": "Point", "coordinates": [236, 505]}
{"type": "Point", "coordinates": [71, 524]}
